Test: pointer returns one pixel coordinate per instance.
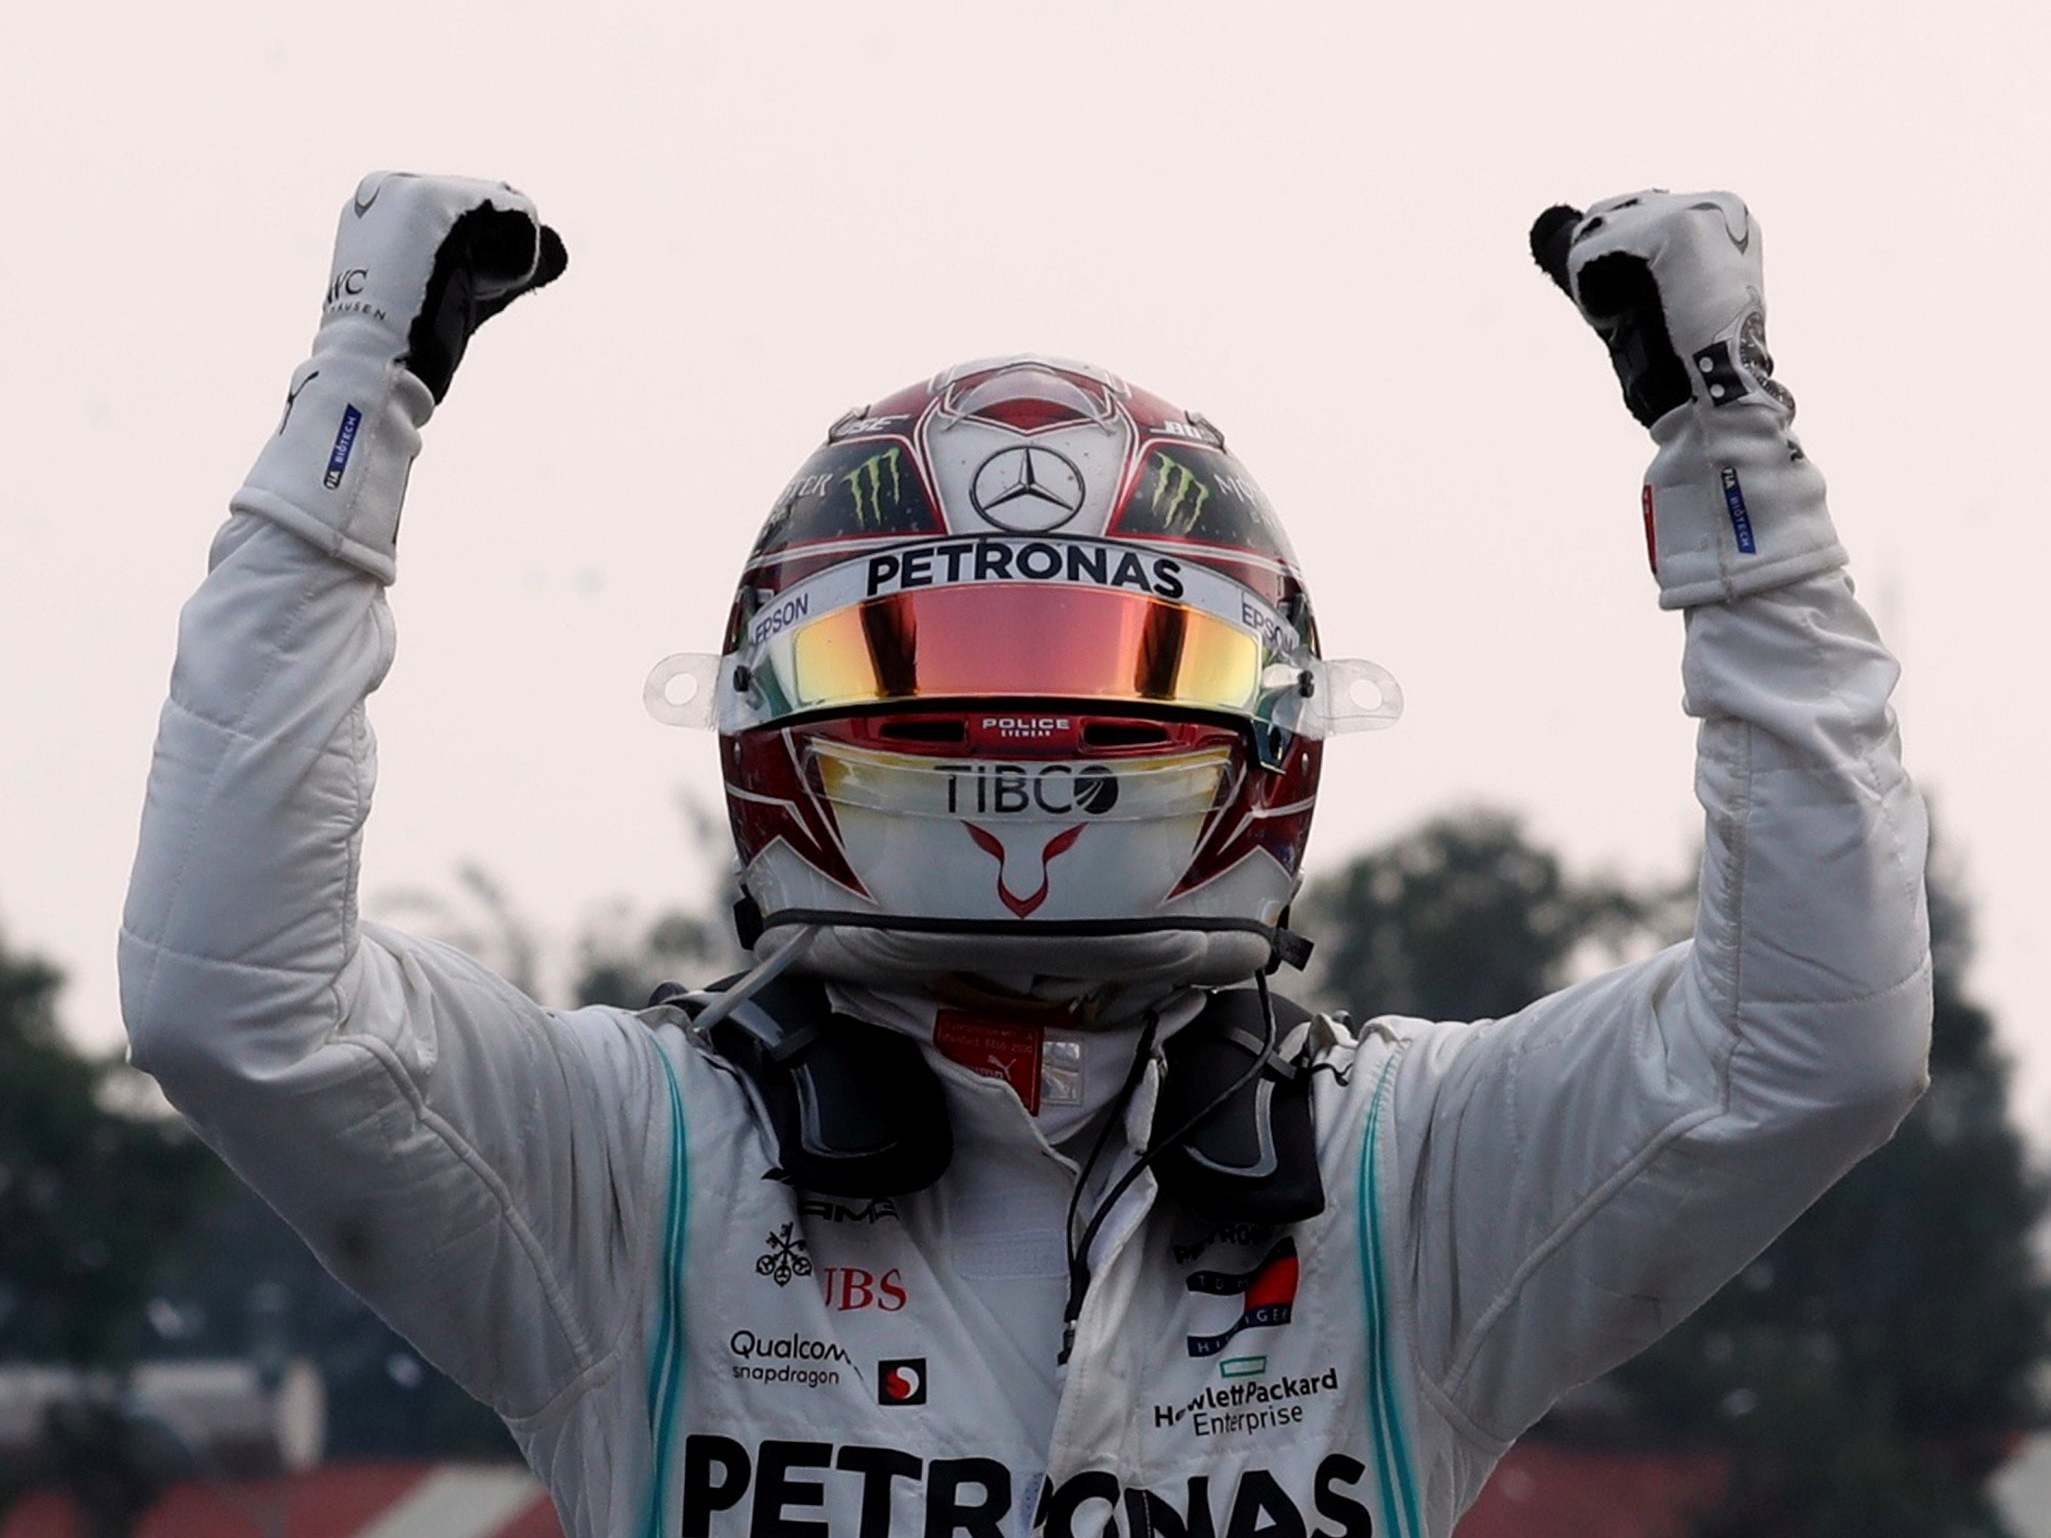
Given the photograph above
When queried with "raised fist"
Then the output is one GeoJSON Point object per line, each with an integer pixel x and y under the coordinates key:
{"type": "Point", "coordinates": [422, 261]}
{"type": "Point", "coordinates": [1672, 283]}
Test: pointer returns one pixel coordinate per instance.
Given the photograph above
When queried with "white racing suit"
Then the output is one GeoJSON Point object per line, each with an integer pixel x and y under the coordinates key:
{"type": "Point", "coordinates": [577, 1215]}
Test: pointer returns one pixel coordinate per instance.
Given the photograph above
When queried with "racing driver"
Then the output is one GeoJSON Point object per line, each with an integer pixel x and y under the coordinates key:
{"type": "Point", "coordinates": [1001, 1196]}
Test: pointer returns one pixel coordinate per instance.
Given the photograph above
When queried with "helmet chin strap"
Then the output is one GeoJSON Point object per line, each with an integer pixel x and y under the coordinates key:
{"type": "Point", "coordinates": [1285, 946]}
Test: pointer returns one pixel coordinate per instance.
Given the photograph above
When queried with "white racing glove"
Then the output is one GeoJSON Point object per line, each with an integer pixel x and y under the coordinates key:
{"type": "Point", "coordinates": [420, 263]}
{"type": "Point", "coordinates": [1672, 283]}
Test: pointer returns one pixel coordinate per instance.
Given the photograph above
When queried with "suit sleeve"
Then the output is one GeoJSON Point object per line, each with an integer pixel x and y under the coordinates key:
{"type": "Point", "coordinates": [470, 1163]}
{"type": "Point", "coordinates": [1586, 1173]}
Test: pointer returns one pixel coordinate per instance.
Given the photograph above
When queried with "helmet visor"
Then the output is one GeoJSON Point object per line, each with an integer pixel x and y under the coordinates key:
{"type": "Point", "coordinates": [1185, 637]}
{"type": "Point", "coordinates": [1000, 642]}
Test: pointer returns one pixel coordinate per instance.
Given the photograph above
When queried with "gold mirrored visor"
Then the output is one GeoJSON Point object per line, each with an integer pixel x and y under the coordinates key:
{"type": "Point", "coordinates": [1015, 619]}
{"type": "Point", "coordinates": [1000, 641]}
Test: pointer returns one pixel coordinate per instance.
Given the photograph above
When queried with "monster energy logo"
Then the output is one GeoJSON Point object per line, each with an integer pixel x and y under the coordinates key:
{"type": "Point", "coordinates": [866, 482]}
{"type": "Point", "coordinates": [1173, 482]}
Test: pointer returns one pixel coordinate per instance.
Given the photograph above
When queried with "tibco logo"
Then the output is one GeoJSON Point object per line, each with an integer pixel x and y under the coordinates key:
{"type": "Point", "coordinates": [1056, 789]}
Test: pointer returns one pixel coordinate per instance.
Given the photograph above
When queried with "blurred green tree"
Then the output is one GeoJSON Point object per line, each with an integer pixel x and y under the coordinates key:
{"type": "Point", "coordinates": [622, 961]}
{"type": "Point", "coordinates": [621, 958]}
{"type": "Point", "coordinates": [1464, 918]}
{"type": "Point", "coordinates": [90, 1194]}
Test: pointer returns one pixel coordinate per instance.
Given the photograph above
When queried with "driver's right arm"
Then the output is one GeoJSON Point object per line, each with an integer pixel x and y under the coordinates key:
{"type": "Point", "coordinates": [484, 1171]}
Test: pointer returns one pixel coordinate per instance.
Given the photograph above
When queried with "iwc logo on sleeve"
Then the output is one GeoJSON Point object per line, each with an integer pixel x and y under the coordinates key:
{"type": "Point", "coordinates": [1027, 488]}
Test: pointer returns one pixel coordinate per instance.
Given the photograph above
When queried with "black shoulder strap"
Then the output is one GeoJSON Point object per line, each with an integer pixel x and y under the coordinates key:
{"type": "Point", "coordinates": [1254, 1159]}
{"type": "Point", "coordinates": [857, 1111]}
{"type": "Point", "coordinates": [855, 1108]}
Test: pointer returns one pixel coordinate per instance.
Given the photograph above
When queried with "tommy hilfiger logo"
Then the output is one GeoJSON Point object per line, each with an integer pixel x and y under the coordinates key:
{"type": "Point", "coordinates": [901, 1380]}
{"type": "Point", "coordinates": [1268, 1294]}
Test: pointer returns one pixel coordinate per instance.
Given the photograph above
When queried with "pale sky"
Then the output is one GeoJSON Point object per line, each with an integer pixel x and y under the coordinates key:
{"type": "Point", "coordinates": [1307, 222]}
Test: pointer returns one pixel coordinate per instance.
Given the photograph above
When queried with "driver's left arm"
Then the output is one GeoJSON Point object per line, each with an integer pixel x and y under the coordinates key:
{"type": "Point", "coordinates": [1584, 1174]}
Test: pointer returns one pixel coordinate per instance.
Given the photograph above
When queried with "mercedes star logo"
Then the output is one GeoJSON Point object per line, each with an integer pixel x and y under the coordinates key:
{"type": "Point", "coordinates": [1027, 489]}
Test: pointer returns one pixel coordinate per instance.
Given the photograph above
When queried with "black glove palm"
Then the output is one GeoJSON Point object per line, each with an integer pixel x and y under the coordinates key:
{"type": "Point", "coordinates": [1621, 300]}
{"type": "Point", "coordinates": [490, 257]}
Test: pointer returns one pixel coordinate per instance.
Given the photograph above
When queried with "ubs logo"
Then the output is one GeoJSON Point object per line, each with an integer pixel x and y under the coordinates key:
{"type": "Point", "coordinates": [848, 1288]}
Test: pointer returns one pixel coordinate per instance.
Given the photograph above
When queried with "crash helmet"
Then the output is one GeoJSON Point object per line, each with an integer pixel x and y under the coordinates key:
{"type": "Point", "coordinates": [1021, 682]}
